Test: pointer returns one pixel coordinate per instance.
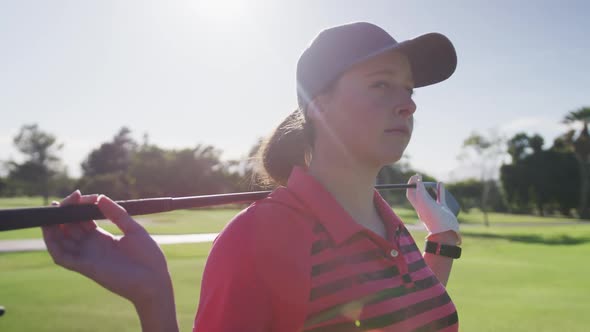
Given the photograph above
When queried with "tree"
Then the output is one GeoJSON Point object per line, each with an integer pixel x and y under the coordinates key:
{"type": "Point", "coordinates": [468, 194]}
{"type": "Point", "coordinates": [516, 186]}
{"type": "Point", "coordinates": [195, 171]}
{"type": "Point", "coordinates": [192, 171]}
{"type": "Point", "coordinates": [41, 160]}
{"type": "Point", "coordinates": [105, 169]}
{"type": "Point", "coordinates": [148, 169]}
{"type": "Point", "coordinates": [536, 143]}
{"type": "Point", "coordinates": [111, 157]}
{"type": "Point", "coordinates": [245, 171]}
{"type": "Point", "coordinates": [3, 186]}
{"type": "Point", "coordinates": [114, 185]}
{"type": "Point", "coordinates": [516, 178]}
{"type": "Point", "coordinates": [543, 179]}
{"type": "Point", "coordinates": [581, 147]}
{"type": "Point", "coordinates": [123, 169]}
{"type": "Point", "coordinates": [488, 152]}
{"type": "Point", "coordinates": [562, 179]}
{"type": "Point", "coordinates": [517, 146]}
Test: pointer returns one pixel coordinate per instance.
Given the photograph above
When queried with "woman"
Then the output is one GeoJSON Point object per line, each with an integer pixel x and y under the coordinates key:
{"type": "Point", "coordinates": [324, 252]}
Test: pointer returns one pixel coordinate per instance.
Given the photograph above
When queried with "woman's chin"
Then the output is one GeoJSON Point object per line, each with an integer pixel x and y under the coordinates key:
{"type": "Point", "coordinates": [390, 158]}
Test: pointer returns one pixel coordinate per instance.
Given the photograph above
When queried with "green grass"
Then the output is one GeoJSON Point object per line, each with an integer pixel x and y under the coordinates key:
{"type": "Point", "coordinates": [523, 279]}
{"type": "Point", "coordinates": [475, 216]}
{"type": "Point", "coordinates": [39, 296]}
{"type": "Point", "coordinates": [25, 201]}
{"type": "Point", "coordinates": [509, 279]}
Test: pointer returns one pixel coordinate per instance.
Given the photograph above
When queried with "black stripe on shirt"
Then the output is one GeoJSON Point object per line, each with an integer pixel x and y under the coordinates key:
{"type": "Point", "coordinates": [404, 232]}
{"type": "Point", "coordinates": [318, 228]}
{"type": "Point", "coordinates": [319, 245]}
{"type": "Point", "coordinates": [417, 265]}
{"type": "Point", "coordinates": [439, 324]}
{"type": "Point", "coordinates": [408, 248]}
{"type": "Point", "coordinates": [374, 298]}
{"type": "Point", "coordinates": [388, 318]}
{"type": "Point", "coordinates": [353, 259]}
{"type": "Point", "coordinates": [363, 257]}
{"type": "Point", "coordinates": [338, 285]}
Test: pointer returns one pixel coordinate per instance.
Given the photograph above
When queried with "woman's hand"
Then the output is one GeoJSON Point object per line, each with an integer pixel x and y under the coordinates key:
{"type": "Point", "coordinates": [132, 266]}
{"type": "Point", "coordinates": [436, 215]}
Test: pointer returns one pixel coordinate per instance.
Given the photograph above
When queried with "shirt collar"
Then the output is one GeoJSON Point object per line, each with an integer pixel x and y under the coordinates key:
{"type": "Point", "coordinates": [339, 224]}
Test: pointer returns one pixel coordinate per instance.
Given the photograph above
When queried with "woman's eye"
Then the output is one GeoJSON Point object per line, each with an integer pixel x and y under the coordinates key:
{"type": "Point", "coordinates": [388, 85]}
{"type": "Point", "coordinates": [381, 84]}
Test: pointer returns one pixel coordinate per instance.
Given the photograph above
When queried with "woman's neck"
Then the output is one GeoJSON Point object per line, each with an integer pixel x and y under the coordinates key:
{"type": "Point", "coordinates": [350, 183]}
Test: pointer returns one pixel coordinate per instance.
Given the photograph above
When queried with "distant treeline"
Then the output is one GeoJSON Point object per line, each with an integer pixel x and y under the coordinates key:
{"type": "Point", "coordinates": [542, 181]}
{"type": "Point", "coordinates": [122, 168]}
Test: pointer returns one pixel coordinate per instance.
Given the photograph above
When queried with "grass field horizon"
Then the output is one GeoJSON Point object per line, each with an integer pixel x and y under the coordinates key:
{"type": "Point", "coordinates": [509, 279]}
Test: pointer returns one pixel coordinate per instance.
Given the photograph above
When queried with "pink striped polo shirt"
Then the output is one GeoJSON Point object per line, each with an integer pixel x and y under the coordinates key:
{"type": "Point", "coordinates": [297, 261]}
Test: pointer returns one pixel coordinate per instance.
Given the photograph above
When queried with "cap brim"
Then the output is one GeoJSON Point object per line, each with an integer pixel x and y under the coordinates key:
{"type": "Point", "coordinates": [432, 57]}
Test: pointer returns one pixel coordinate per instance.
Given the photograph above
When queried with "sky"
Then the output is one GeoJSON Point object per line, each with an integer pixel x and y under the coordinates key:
{"type": "Point", "coordinates": [222, 72]}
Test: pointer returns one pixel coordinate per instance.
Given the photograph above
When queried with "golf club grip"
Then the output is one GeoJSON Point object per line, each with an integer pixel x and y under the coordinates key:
{"type": "Point", "coordinates": [12, 219]}
{"type": "Point", "coordinates": [51, 215]}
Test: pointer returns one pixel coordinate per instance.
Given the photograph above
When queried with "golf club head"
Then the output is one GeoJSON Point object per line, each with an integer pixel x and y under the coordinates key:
{"type": "Point", "coordinates": [452, 203]}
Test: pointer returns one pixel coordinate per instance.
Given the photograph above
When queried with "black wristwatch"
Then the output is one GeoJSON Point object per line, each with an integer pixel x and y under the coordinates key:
{"type": "Point", "coordinates": [443, 249]}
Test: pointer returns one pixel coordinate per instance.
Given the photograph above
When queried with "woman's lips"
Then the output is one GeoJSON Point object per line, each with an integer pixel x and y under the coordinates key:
{"type": "Point", "coordinates": [397, 131]}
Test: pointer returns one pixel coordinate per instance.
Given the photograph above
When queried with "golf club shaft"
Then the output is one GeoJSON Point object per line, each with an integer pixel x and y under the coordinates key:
{"type": "Point", "coordinates": [12, 219]}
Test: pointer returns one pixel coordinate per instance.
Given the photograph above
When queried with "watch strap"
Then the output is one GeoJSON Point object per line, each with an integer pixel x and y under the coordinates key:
{"type": "Point", "coordinates": [443, 249]}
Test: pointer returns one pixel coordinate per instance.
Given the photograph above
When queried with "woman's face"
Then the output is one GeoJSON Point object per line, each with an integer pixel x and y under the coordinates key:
{"type": "Point", "coordinates": [369, 112]}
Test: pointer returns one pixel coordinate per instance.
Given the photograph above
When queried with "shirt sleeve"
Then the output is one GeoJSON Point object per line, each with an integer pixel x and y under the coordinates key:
{"type": "Point", "coordinates": [232, 297]}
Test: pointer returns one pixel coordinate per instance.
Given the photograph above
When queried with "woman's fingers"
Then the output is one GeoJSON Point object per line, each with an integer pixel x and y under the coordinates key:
{"type": "Point", "coordinates": [411, 192]}
{"type": "Point", "coordinates": [53, 235]}
{"type": "Point", "coordinates": [62, 241]}
{"type": "Point", "coordinates": [70, 245]}
{"type": "Point", "coordinates": [414, 178]}
{"type": "Point", "coordinates": [54, 239]}
{"type": "Point", "coordinates": [73, 231]}
{"type": "Point", "coordinates": [90, 224]}
{"type": "Point", "coordinates": [78, 230]}
{"type": "Point", "coordinates": [72, 198]}
{"type": "Point", "coordinates": [118, 215]}
{"type": "Point", "coordinates": [88, 199]}
{"type": "Point", "coordinates": [421, 189]}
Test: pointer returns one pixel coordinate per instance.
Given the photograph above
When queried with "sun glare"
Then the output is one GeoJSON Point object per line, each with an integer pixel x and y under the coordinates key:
{"type": "Point", "coordinates": [221, 10]}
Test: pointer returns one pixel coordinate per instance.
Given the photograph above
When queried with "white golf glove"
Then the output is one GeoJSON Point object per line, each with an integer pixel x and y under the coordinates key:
{"type": "Point", "coordinates": [436, 215]}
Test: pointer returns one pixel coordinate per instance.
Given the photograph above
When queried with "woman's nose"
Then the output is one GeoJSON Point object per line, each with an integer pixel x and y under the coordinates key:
{"type": "Point", "coordinates": [407, 108]}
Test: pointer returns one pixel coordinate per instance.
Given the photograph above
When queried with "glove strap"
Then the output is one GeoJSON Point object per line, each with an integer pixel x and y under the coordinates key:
{"type": "Point", "coordinates": [443, 249]}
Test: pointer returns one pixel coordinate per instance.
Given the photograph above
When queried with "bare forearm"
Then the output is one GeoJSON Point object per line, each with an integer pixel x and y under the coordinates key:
{"type": "Point", "coordinates": [158, 313]}
{"type": "Point", "coordinates": [441, 265]}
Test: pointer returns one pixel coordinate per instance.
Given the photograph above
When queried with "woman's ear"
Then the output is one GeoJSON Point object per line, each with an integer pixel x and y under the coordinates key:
{"type": "Point", "coordinates": [318, 105]}
{"type": "Point", "coordinates": [314, 109]}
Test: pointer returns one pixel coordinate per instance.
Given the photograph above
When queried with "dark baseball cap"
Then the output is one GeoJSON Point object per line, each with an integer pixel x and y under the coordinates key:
{"type": "Point", "coordinates": [432, 56]}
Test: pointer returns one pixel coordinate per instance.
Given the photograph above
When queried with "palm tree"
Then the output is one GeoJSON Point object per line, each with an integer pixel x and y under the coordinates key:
{"type": "Point", "coordinates": [581, 146]}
